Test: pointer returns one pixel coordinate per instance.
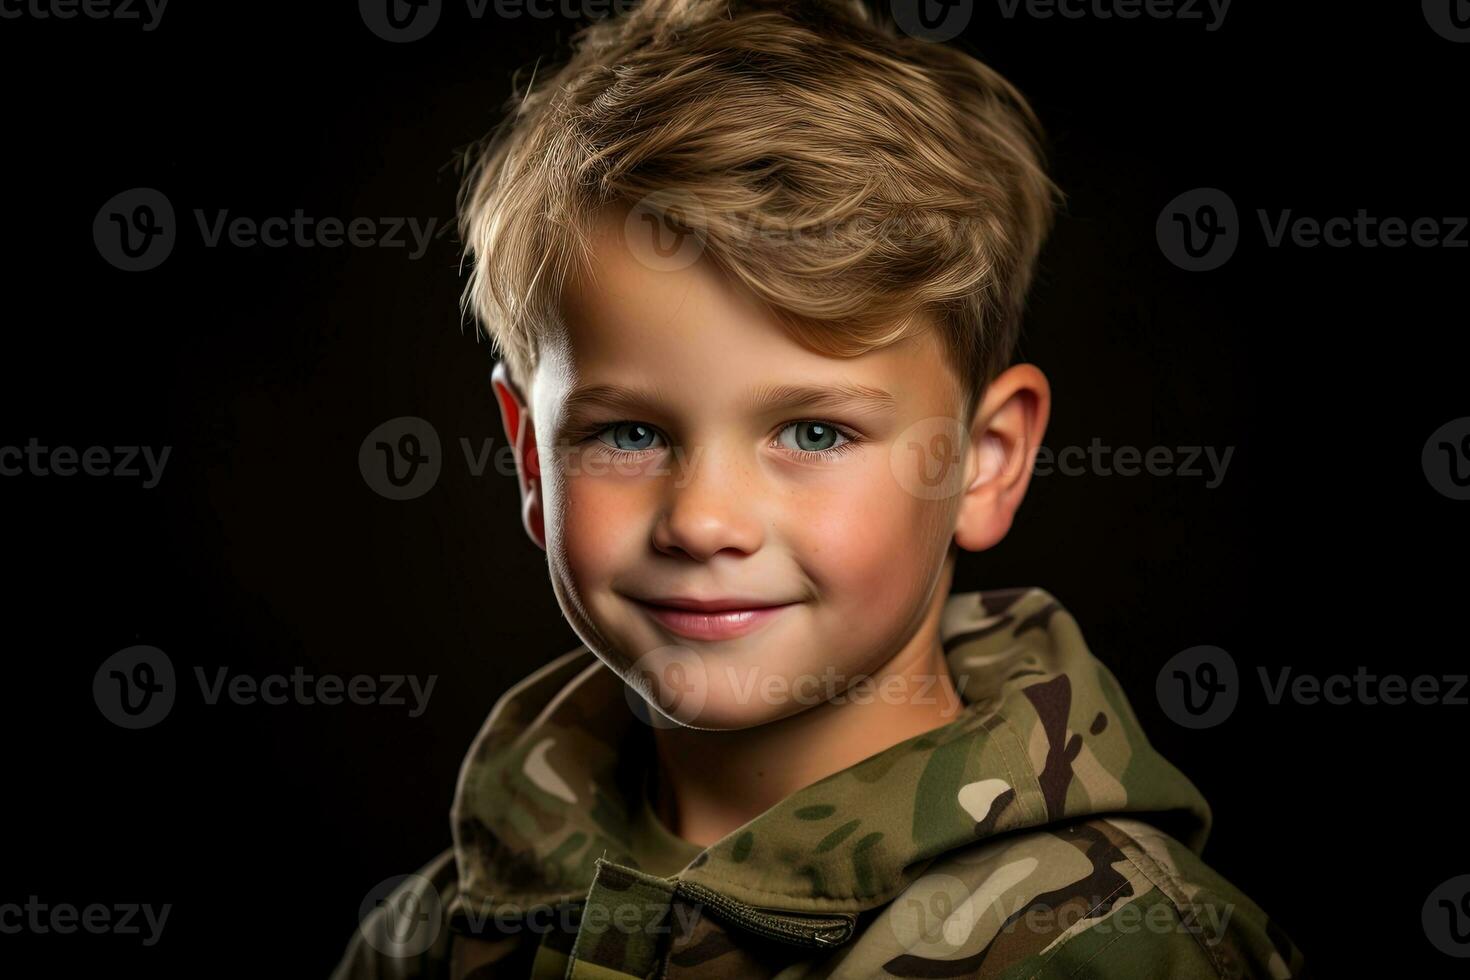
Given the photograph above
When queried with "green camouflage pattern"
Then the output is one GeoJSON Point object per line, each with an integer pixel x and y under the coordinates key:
{"type": "Point", "coordinates": [1038, 835]}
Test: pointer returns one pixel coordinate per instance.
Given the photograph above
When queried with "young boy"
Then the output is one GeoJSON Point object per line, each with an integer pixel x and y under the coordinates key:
{"type": "Point", "coordinates": [756, 270]}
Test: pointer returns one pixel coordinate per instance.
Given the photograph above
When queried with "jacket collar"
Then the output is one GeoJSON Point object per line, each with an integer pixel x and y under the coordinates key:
{"type": "Point", "coordinates": [553, 781]}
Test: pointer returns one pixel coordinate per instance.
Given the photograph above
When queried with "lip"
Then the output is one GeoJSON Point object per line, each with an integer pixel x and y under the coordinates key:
{"type": "Point", "coordinates": [712, 619]}
{"type": "Point", "coordinates": [712, 605]}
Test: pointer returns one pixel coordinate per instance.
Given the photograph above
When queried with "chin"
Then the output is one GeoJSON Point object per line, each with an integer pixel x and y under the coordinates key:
{"type": "Point", "coordinates": [730, 715]}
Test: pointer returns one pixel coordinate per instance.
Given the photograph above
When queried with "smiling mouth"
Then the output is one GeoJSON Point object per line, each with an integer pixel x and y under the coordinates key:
{"type": "Point", "coordinates": [712, 624]}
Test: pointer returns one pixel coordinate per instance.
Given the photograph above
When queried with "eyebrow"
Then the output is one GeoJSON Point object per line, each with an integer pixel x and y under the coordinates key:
{"type": "Point", "coordinates": [841, 395]}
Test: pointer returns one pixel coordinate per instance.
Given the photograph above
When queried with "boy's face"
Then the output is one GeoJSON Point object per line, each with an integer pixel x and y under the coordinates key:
{"type": "Point", "coordinates": [724, 461]}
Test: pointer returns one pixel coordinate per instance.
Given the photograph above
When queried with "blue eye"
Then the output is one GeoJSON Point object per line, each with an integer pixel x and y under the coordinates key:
{"type": "Point", "coordinates": [636, 433]}
{"type": "Point", "coordinates": [815, 437]}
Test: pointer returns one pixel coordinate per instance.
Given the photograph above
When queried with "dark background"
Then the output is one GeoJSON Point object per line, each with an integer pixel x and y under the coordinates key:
{"type": "Point", "coordinates": [263, 548]}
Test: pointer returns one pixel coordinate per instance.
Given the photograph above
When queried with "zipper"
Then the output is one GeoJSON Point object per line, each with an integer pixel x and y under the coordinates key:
{"type": "Point", "coordinates": [801, 928]}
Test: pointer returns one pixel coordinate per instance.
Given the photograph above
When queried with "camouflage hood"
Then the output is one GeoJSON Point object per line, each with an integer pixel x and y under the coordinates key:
{"type": "Point", "coordinates": [552, 788]}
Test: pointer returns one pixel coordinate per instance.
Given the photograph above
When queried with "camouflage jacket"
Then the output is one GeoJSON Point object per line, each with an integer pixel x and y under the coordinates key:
{"type": "Point", "coordinates": [1038, 835]}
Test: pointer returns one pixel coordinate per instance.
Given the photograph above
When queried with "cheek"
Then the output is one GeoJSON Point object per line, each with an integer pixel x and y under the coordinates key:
{"type": "Point", "coordinates": [863, 540]}
{"type": "Point", "coordinates": [602, 525]}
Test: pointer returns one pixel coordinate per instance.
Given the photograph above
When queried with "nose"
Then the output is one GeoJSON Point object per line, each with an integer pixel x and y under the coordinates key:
{"type": "Point", "coordinates": [711, 505]}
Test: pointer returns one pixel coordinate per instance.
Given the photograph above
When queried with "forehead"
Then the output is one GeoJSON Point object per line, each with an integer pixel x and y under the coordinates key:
{"type": "Point", "coordinates": [696, 330]}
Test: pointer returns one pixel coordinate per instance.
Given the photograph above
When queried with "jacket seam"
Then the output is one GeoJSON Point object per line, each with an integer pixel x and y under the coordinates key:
{"type": "Point", "coordinates": [1046, 963]}
{"type": "Point", "coordinates": [1174, 887]}
{"type": "Point", "coordinates": [1035, 786]}
{"type": "Point", "coordinates": [1081, 966]}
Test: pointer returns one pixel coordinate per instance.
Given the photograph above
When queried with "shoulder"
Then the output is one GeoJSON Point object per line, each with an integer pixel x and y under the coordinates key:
{"type": "Point", "coordinates": [406, 934]}
{"type": "Point", "coordinates": [1102, 897]}
{"type": "Point", "coordinates": [1236, 936]}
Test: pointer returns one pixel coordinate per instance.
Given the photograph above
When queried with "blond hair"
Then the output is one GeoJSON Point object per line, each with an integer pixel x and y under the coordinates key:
{"type": "Point", "coordinates": [904, 177]}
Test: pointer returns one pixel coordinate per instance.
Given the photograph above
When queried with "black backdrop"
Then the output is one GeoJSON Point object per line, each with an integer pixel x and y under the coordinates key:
{"type": "Point", "coordinates": [263, 549]}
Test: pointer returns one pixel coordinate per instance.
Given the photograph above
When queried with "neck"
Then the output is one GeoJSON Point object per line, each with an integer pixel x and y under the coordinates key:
{"type": "Point", "coordinates": [761, 766]}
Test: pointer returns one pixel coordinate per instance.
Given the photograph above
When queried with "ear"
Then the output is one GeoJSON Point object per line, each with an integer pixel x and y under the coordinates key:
{"type": "Point", "coordinates": [520, 432]}
{"type": "Point", "coordinates": [1004, 439]}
